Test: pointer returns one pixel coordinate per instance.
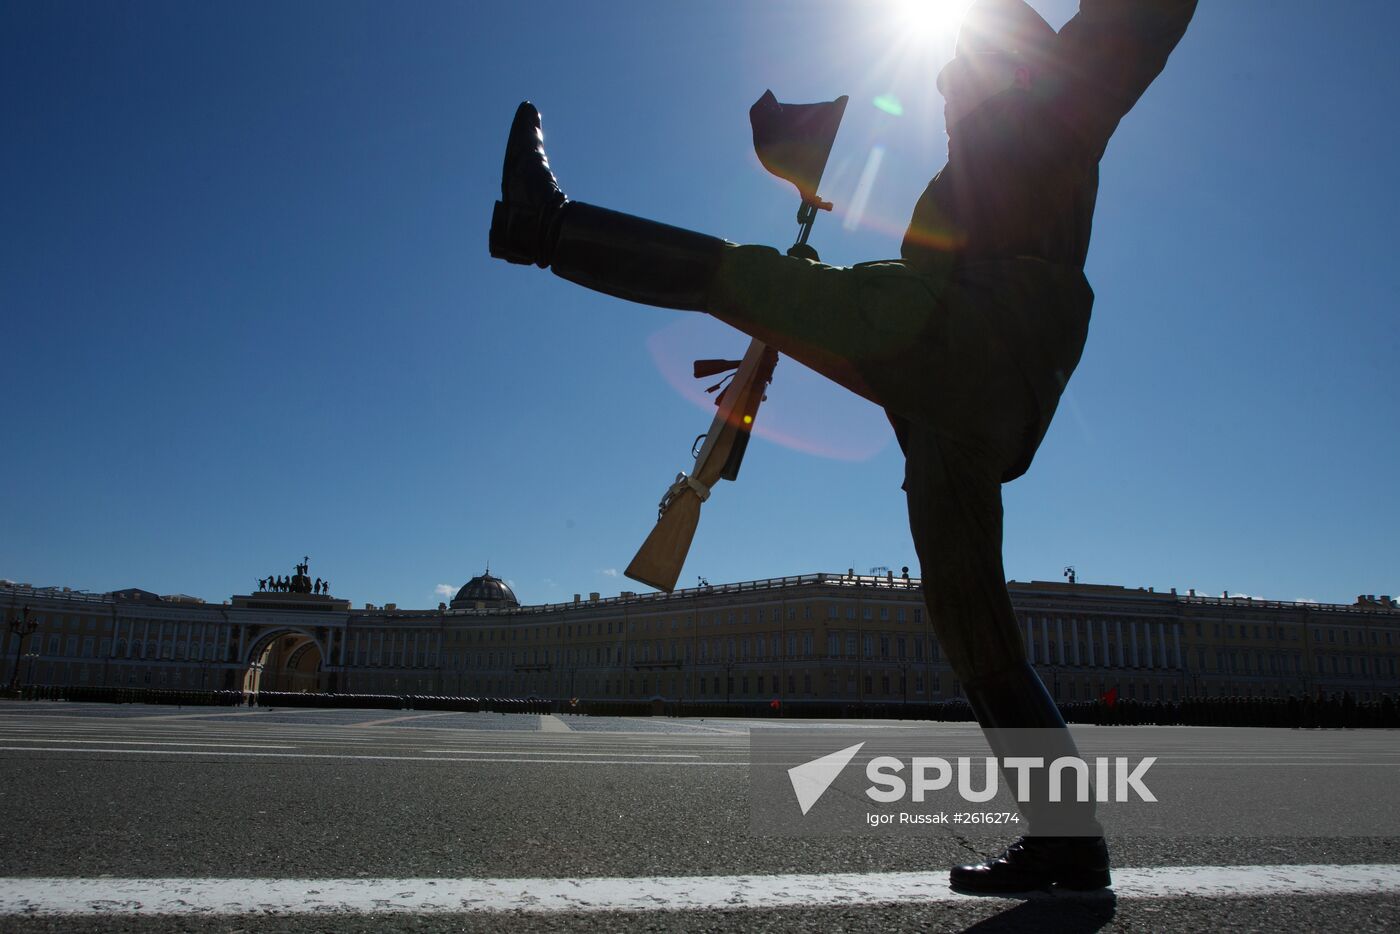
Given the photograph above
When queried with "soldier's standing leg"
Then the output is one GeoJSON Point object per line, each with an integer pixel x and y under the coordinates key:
{"type": "Point", "coordinates": [955, 515]}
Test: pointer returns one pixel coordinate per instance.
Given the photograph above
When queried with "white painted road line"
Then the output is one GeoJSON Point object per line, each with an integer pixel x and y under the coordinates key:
{"type": "Point", "coordinates": [126, 897]}
{"type": "Point", "coordinates": [327, 755]}
{"type": "Point", "coordinates": [148, 742]}
{"type": "Point", "coordinates": [560, 752]}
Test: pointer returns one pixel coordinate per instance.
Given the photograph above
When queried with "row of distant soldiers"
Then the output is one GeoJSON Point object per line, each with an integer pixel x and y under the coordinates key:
{"type": "Point", "coordinates": [1331, 711]}
{"type": "Point", "coordinates": [283, 584]}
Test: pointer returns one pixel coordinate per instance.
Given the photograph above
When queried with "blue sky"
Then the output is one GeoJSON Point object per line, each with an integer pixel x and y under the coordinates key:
{"type": "Point", "coordinates": [249, 313]}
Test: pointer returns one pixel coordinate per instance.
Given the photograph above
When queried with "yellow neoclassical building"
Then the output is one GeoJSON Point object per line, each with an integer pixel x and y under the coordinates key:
{"type": "Point", "coordinates": [816, 637]}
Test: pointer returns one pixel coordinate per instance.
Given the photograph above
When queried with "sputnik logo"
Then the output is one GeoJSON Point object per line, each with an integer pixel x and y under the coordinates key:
{"type": "Point", "coordinates": [810, 780]}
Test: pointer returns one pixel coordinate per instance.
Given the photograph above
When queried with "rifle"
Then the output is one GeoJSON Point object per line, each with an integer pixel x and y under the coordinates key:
{"type": "Point", "coordinates": [793, 141]}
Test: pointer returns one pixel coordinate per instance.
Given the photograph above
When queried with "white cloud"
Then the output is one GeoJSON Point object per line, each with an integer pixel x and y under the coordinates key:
{"type": "Point", "coordinates": [609, 572]}
{"type": "Point", "coordinates": [445, 590]}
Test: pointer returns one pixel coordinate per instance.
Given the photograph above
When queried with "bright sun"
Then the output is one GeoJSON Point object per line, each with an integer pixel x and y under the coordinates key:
{"type": "Point", "coordinates": [926, 20]}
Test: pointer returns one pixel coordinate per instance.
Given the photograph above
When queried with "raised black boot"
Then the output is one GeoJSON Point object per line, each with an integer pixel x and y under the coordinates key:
{"type": "Point", "coordinates": [1064, 844]}
{"type": "Point", "coordinates": [607, 251]}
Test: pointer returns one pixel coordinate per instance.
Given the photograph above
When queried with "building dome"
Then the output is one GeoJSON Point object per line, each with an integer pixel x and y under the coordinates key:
{"type": "Point", "coordinates": [485, 590]}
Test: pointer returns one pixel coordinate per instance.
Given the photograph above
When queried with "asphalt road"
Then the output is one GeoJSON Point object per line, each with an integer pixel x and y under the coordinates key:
{"type": "Point", "coordinates": [89, 792]}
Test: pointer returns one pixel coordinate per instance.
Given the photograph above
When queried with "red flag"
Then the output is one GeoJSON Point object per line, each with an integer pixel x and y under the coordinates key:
{"type": "Point", "coordinates": [774, 703]}
{"type": "Point", "coordinates": [1109, 697]}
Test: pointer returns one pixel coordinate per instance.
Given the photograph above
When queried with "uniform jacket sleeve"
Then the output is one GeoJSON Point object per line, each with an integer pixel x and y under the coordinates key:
{"type": "Point", "coordinates": [1108, 54]}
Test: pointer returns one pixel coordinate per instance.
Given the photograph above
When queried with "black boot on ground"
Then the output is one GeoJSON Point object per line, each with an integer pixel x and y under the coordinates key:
{"type": "Point", "coordinates": [629, 257]}
{"type": "Point", "coordinates": [1064, 845]}
{"type": "Point", "coordinates": [1079, 863]}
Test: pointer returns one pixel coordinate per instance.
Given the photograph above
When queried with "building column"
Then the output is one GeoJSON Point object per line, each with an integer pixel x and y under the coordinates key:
{"type": "Point", "coordinates": [1030, 640]}
{"type": "Point", "coordinates": [1074, 639]}
{"type": "Point", "coordinates": [1044, 639]}
{"type": "Point", "coordinates": [1089, 641]}
{"type": "Point", "coordinates": [1176, 638]}
{"type": "Point", "coordinates": [1118, 632]}
{"type": "Point", "coordinates": [1147, 643]}
{"type": "Point", "coordinates": [1059, 640]}
{"type": "Point", "coordinates": [1133, 640]}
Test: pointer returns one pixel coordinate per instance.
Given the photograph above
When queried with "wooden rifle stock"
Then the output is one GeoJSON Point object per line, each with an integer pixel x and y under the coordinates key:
{"type": "Point", "coordinates": [658, 562]}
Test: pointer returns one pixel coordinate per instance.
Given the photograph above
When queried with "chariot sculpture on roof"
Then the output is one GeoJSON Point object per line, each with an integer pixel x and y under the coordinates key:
{"type": "Point", "coordinates": [299, 582]}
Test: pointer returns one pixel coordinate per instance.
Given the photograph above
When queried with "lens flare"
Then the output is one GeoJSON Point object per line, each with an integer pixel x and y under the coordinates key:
{"type": "Point", "coordinates": [804, 412]}
{"type": "Point", "coordinates": [856, 212]}
{"type": "Point", "coordinates": [889, 104]}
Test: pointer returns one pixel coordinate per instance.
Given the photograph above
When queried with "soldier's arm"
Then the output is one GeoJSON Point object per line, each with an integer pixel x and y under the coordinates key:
{"type": "Point", "coordinates": [1108, 54]}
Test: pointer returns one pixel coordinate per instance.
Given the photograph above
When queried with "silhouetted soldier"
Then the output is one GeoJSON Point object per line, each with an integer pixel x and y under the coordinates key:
{"type": "Point", "coordinates": [967, 341]}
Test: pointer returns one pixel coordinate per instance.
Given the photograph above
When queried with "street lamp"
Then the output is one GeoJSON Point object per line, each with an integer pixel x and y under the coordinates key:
{"type": "Point", "coordinates": [22, 628]}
